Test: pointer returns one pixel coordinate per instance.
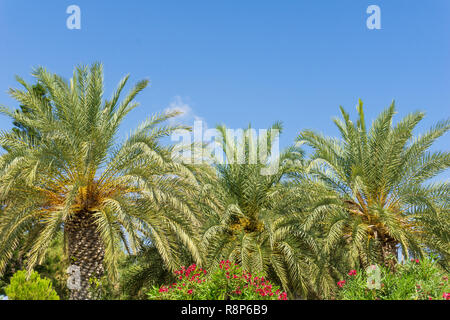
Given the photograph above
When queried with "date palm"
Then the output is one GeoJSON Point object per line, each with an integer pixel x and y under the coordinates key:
{"type": "Point", "coordinates": [381, 178]}
{"type": "Point", "coordinates": [80, 179]}
{"type": "Point", "coordinates": [255, 220]}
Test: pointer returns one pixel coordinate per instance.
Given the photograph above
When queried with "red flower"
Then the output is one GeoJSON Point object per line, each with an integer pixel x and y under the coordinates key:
{"type": "Point", "coordinates": [341, 283]}
{"type": "Point", "coordinates": [189, 291]}
{"type": "Point", "coordinates": [282, 296]}
{"type": "Point", "coordinates": [446, 295]}
{"type": "Point", "coordinates": [417, 260]}
{"type": "Point", "coordinates": [352, 273]}
{"type": "Point", "coordinates": [163, 289]}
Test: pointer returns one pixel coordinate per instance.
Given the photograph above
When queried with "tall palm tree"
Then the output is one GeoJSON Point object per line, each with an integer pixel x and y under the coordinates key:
{"type": "Point", "coordinates": [78, 178]}
{"type": "Point", "coordinates": [383, 197]}
{"type": "Point", "coordinates": [255, 218]}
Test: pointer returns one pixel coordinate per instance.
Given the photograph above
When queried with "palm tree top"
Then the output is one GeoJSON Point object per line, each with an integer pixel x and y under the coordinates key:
{"type": "Point", "coordinates": [79, 167]}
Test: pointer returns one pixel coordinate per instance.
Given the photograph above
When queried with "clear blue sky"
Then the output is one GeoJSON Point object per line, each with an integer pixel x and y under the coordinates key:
{"type": "Point", "coordinates": [236, 62]}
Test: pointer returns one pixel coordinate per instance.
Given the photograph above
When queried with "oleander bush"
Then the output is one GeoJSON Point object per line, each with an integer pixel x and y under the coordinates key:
{"type": "Point", "coordinates": [34, 288]}
{"type": "Point", "coordinates": [414, 280]}
{"type": "Point", "coordinates": [228, 282]}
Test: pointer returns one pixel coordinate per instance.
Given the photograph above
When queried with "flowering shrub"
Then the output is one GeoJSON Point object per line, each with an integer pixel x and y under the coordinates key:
{"type": "Point", "coordinates": [415, 280]}
{"type": "Point", "coordinates": [229, 281]}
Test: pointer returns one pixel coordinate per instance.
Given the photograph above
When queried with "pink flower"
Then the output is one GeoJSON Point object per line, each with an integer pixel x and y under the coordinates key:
{"type": "Point", "coordinates": [446, 295]}
{"type": "Point", "coordinates": [341, 283]}
{"type": "Point", "coordinates": [352, 273]}
{"type": "Point", "coordinates": [282, 296]}
{"type": "Point", "coordinates": [417, 260]}
{"type": "Point", "coordinates": [189, 291]}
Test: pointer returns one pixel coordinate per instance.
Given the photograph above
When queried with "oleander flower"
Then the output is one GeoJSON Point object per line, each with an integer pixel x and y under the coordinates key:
{"type": "Point", "coordinates": [352, 273]}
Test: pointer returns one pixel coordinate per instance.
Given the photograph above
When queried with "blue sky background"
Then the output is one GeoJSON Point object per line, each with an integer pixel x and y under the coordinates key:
{"type": "Point", "coordinates": [236, 62]}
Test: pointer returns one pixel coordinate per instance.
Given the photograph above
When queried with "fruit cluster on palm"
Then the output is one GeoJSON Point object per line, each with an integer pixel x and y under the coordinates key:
{"type": "Point", "coordinates": [355, 201]}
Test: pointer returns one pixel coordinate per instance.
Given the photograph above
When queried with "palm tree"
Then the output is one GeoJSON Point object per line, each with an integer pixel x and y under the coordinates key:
{"type": "Point", "coordinates": [255, 217]}
{"type": "Point", "coordinates": [382, 198]}
{"type": "Point", "coordinates": [78, 178]}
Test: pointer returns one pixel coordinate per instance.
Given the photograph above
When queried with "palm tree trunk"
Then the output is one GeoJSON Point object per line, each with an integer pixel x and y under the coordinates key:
{"type": "Point", "coordinates": [86, 251]}
{"type": "Point", "coordinates": [389, 251]}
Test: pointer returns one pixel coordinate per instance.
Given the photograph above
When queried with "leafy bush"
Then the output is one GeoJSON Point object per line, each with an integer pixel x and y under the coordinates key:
{"type": "Point", "coordinates": [35, 288]}
{"type": "Point", "coordinates": [229, 281]}
{"type": "Point", "coordinates": [415, 280]}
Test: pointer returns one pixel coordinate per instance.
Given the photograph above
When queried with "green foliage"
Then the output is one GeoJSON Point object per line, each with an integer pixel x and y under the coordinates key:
{"type": "Point", "coordinates": [102, 289]}
{"type": "Point", "coordinates": [414, 280]}
{"type": "Point", "coordinates": [34, 288]}
{"type": "Point", "coordinates": [54, 266]}
{"type": "Point", "coordinates": [228, 282]}
{"type": "Point", "coordinates": [145, 270]}
{"type": "Point", "coordinates": [21, 128]}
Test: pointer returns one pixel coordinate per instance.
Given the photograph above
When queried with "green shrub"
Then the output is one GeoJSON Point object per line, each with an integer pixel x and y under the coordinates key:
{"type": "Point", "coordinates": [228, 282]}
{"type": "Point", "coordinates": [35, 288]}
{"type": "Point", "coordinates": [414, 280]}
